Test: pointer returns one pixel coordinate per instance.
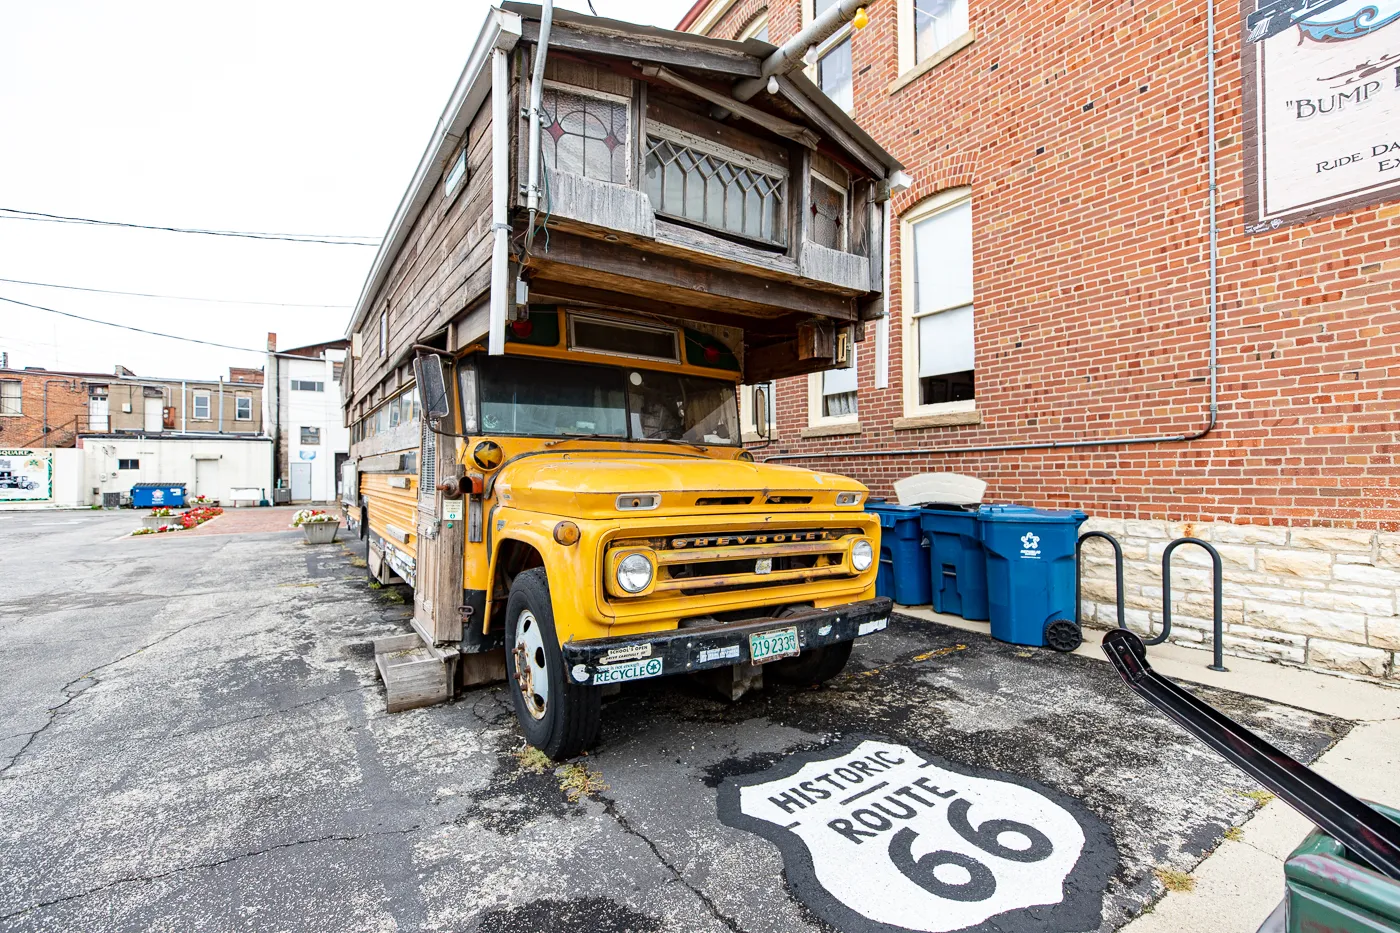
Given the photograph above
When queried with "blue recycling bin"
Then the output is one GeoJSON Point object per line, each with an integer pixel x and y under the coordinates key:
{"type": "Point", "coordinates": [154, 495]}
{"type": "Point", "coordinates": [957, 566]}
{"type": "Point", "coordinates": [904, 565]}
{"type": "Point", "coordinates": [1030, 573]}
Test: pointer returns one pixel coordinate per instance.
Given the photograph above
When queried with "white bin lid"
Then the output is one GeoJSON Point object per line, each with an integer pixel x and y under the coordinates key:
{"type": "Point", "coordinates": [940, 488]}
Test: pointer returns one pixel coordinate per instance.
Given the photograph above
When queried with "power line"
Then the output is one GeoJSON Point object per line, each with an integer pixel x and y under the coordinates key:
{"type": "Point", "coordinates": [139, 330]}
{"type": "Point", "coordinates": [222, 301]}
{"type": "Point", "coordinates": [14, 213]}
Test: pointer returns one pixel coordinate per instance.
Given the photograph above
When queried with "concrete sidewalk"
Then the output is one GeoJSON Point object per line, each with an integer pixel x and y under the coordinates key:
{"type": "Point", "coordinates": [1241, 881]}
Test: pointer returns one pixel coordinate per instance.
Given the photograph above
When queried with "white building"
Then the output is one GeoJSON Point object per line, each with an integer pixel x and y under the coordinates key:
{"type": "Point", "coordinates": [212, 465]}
{"type": "Point", "coordinates": [303, 412]}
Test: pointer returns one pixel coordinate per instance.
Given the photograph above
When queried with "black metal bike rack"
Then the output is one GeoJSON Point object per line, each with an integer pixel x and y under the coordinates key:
{"type": "Point", "coordinates": [1216, 590]}
{"type": "Point", "coordinates": [1216, 587]}
{"type": "Point", "coordinates": [1079, 575]}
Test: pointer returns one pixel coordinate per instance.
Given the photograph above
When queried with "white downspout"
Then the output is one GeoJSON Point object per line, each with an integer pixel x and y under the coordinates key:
{"type": "Point", "coordinates": [882, 326]}
{"type": "Point", "coordinates": [184, 407]}
{"type": "Point", "coordinates": [500, 200]}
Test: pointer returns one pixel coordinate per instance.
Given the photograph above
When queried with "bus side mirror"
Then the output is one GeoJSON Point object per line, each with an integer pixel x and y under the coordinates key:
{"type": "Point", "coordinates": [760, 410]}
{"type": "Point", "coordinates": [432, 386]}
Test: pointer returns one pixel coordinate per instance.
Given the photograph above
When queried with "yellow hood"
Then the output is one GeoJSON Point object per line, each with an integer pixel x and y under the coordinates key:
{"type": "Point", "coordinates": [587, 485]}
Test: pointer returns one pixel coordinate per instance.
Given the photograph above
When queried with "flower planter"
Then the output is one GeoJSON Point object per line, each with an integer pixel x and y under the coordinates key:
{"type": "Point", "coordinates": [155, 521]}
{"type": "Point", "coordinates": [320, 532]}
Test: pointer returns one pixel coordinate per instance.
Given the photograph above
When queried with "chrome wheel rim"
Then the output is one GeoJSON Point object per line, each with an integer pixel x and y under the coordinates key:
{"type": "Point", "coordinates": [531, 672]}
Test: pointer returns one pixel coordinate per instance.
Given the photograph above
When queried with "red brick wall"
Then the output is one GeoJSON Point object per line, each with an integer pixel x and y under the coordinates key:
{"type": "Point", "coordinates": [1090, 269]}
{"type": "Point", "coordinates": [67, 396]}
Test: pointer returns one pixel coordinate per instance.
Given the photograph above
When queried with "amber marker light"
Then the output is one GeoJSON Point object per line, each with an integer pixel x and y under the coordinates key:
{"type": "Point", "coordinates": [566, 533]}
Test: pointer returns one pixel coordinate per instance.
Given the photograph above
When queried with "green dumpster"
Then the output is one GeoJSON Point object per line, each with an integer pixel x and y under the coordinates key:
{"type": "Point", "coordinates": [1325, 890]}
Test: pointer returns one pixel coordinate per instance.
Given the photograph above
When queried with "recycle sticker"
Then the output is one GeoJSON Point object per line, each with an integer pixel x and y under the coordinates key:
{"type": "Point", "coordinates": [879, 837]}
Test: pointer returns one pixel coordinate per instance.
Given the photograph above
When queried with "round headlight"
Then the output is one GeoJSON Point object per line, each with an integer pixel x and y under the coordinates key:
{"type": "Point", "coordinates": [862, 555]}
{"type": "Point", "coordinates": [634, 573]}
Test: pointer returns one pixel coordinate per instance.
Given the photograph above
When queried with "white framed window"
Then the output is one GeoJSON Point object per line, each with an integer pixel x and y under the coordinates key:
{"type": "Point", "coordinates": [937, 287]}
{"type": "Point", "coordinates": [930, 30]}
{"type": "Point", "coordinates": [455, 175]}
{"type": "Point", "coordinates": [11, 397]}
{"type": "Point", "coordinates": [243, 408]}
{"type": "Point", "coordinates": [757, 28]}
{"type": "Point", "coordinates": [201, 406]}
{"type": "Point", "coordinates": [936, 24]}
{"type": "Point", "coordinates": [832, 397]}
{"type": "Point", "coordinates": [749, 424]}
{"type": "Point", "coordinates": [832, 69]}
{"type": "Point", "coordinates": [310, 436]}
{"type": "Point", "coordinates": [306, 385]}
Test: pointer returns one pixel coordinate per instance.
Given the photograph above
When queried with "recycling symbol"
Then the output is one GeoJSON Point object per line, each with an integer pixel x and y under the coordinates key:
{"type": "Point", "coordinates": [1030, 541]}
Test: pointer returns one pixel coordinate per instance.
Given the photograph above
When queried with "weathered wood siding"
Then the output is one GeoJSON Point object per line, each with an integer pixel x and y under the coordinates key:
{"type": "Point", "coordinates": [443, 267]}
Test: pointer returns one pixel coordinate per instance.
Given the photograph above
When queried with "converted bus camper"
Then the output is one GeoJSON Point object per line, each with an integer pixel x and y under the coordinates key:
{"type": "Point", "coordinates": [613, 228]}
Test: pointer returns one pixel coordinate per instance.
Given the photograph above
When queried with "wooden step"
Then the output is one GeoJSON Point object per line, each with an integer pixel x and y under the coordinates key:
{"type": "Point", "coordinates": [414, 675]}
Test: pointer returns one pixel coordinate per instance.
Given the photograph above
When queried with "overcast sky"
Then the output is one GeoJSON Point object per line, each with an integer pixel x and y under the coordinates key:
{"type": "Point", "coordinates": [303, 117]}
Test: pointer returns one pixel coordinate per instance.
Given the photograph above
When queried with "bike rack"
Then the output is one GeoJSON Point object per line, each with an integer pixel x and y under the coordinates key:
{"type": "Point", "coordinates": [1216, 590]}
{"type": "Point", "coordinates": [1216, 587]}
{"type": "Point", "coordinates": [1079, 575]}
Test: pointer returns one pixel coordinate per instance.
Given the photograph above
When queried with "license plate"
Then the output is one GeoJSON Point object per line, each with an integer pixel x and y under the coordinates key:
{"type": "Point", "coordinates": [769, 646]}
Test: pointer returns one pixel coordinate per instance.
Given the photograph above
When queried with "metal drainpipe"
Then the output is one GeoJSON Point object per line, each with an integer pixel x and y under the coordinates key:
{"type": "Point", "coordinates": [69, 383]}
{"type": "Point", "coordinates": [532, 190]}
{"type": "Point", "coordinates": [1213, 265]}
{"type": "Point", "coordinates": [221, 404]}
{"type": "Point", "coordinates": [184, 407]}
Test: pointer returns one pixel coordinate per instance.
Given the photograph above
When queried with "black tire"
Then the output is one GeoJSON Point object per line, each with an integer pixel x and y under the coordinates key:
{"type": "Point", "coordinates": [568, 719]}
{"type": "Point", "coordinates": [1063, 635]}
{"type": "Point", "coordinates": [364, 524]}
{"type": "Point", "coordinates": [811, 667]}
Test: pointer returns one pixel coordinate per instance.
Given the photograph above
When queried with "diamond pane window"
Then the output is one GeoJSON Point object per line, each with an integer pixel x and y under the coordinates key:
{"type": "Point", "coordinates": [716, 192]}
{"type": "Point", "coordinates": [584, 135]}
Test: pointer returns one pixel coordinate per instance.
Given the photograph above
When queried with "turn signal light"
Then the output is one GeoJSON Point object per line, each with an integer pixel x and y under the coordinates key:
{"type": "Point", "coordinates": [566, 533]}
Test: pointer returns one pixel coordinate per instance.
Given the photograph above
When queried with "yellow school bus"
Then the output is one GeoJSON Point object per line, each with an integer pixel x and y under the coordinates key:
{"type": "Point", "coordinates": [546, 368]}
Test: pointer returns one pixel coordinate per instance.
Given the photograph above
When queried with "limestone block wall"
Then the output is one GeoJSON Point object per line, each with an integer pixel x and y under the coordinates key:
{"type": "Point", "coordinates": [1326, 598]}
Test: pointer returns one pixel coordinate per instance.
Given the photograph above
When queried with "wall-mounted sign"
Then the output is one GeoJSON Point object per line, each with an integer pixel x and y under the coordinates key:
{"type": "Point", "coordinates": [878, 838]}
{"type": "Point", "coordinates": [452, 510]}
{"type": "Point", "coordinates": [306, 454]}
{"type": "Point", "coordinates": [1321, 108]}
{"type": "Point", "coordinates": [26, 475]}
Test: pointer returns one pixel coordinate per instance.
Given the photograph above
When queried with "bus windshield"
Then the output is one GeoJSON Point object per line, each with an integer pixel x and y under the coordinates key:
{"type": "Point", "coordinates": [551, 398]}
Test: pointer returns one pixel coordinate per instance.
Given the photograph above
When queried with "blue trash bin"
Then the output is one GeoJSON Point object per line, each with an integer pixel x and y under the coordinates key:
{"type": "Point", "coordinates": [153, 495]}
{"type": "Point", "coordinates": [904, 564]}
{"type": "Point", "coordinates": [957, 566]}
{"type": "Point", "coordinates": [1030, 573]}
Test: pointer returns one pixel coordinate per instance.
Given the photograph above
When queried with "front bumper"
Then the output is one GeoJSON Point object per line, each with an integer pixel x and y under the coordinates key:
{"type": "Point", "coordinates": [681, 651]}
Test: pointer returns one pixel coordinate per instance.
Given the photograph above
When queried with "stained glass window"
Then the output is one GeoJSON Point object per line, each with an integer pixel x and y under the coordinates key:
{"type": "Point", "coordinates": [584, 135]}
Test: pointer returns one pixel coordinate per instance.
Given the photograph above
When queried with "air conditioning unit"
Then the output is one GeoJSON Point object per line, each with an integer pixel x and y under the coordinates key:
{"type": "Point", "coordinates": [281, 496]}
{"type": "Point", "coordinates": [126, 408]}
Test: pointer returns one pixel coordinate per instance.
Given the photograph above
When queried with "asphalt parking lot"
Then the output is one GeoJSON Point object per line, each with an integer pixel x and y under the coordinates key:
{"type": "Point", "coordinates": [193, 737]}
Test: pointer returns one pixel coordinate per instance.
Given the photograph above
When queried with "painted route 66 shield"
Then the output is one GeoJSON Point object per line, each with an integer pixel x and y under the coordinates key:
{"type": "Point", "coordinates": [880, 837]}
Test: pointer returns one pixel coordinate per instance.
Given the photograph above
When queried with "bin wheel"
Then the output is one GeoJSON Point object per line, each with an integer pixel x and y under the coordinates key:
{"type": "Point", "coordinates": [1063, 635]}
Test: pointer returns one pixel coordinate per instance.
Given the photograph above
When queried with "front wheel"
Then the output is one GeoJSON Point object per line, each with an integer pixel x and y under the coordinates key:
{"type": "Point", "coordinates": [558, 717]}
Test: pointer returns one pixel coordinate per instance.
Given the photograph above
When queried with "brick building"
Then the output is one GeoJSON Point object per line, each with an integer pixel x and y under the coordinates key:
{"type": "Point", "coordinates": [51, 408]}
{"type": "Point", "coordinates": [1050, 311]}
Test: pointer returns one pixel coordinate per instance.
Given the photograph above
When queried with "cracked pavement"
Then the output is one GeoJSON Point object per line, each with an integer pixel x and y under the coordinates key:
{"type": "Point", "coordinates": [194, 738]}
